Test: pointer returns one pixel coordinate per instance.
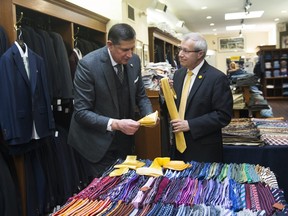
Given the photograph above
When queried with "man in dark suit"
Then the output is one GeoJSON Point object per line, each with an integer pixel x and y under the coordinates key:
{"type": "Point", "coordinates": [103, 125]}
{"type": "Point", "coordinates": [209, 105]}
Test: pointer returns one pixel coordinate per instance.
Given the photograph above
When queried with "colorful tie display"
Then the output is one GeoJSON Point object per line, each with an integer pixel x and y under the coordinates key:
{"type": "Point", "coordinates": [184, 94]}
{"type": "Point", "coordinates": [197, 190]}
{"type": "Point", "coordinates": [171, 106]}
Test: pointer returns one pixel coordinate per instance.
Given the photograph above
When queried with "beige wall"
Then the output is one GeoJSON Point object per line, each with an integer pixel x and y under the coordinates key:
{"type": "Point", "coordinates": [251, 40]}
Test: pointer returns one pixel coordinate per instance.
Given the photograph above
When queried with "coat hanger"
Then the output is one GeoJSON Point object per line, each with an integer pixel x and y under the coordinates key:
{"type": "Point", "coordinates": [75, 37]}
{"type": "Point", "coordinates": [18, 29]}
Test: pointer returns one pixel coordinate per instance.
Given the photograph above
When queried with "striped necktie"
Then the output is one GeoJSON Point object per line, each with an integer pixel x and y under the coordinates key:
{"type": "Point", "coordinates": [184, 94]}
{"type": "Point", "coordinates": [120, 72]}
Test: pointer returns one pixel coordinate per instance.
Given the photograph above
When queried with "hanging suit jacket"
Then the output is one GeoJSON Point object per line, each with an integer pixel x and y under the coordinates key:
{"type": "Point", "coordinates": [23, 99]}
{"type": "Point", "coordinates": [209, 108]}
{"type": "Point", "coordinates": [96, 101]}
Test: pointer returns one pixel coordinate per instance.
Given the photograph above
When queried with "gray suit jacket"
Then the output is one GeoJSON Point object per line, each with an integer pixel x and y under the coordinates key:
{"type": "Point", "coordinates": [96, 101]}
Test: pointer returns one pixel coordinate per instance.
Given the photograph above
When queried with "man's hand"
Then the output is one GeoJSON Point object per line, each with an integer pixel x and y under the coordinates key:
{"type": "Point", "coordinates": [179, 125]}
{"type": "Point", "coordinates": [127, 126]}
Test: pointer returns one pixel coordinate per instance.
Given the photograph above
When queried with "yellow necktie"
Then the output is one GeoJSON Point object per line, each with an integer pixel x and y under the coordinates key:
{"type": "Point", "coordinates": [171, 106]}
{"type": "Point", "coordinates": [184, 95]}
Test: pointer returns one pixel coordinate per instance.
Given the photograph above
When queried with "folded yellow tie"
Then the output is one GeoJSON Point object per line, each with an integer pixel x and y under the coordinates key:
{"type": "Point", "coordinates": [176, 165]}
{"type": "Point", "coordinates": [155, 169]}
{"type": "Point", "coordinates": [129, 163]}
{"type": "Point", "coordinates": [149, 120]}
{"type": "Point", "coordinates": [169, 98]}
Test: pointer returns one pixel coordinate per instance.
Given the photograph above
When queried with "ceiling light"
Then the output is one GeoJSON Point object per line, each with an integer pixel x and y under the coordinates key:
{"type": "Point", "coordinates": [209, 17]}
{"type": "Point", "coordinates": [212, 24]}
{"type": "Point", "coordinates": [204, 7]}
{"type": "Point", "coordinates": [276, 19]}
{"type": "Point", "coordinates": [243, 15]}
{"type": "Point", "coordinates": [239, 27]}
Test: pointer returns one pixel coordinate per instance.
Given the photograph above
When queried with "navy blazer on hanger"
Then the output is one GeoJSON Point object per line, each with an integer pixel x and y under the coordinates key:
{"type": "Point", "coordinates": [23, 99]}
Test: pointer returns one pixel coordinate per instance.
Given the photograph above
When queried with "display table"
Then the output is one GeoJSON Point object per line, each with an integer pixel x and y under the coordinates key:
{"type": "Point", "coordinates": [274, 157]}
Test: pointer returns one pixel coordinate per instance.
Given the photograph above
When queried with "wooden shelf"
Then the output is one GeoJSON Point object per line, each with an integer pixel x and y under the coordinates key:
{"type": "Point", "coordinates": [274, 72]}
{"type": "Point", "coordinates": [162, 46]}
{"type": "Point", "coordinates": [62, 17]}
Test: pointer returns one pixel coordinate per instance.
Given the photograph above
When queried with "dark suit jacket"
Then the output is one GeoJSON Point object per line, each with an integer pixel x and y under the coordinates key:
{"type": "Point", "coordinates": [23, 100]}
{"type": "Point", "coordinates": [96, 101]}
{"type": "Point", "coordinates": [209, 108]}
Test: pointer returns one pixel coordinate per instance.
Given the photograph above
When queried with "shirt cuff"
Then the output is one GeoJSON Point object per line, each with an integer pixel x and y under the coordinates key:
{"type": "Point", "coordinates": [109, 125]}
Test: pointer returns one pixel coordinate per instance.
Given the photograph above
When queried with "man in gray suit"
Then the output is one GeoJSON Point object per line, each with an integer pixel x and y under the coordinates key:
{"type": "Point", "coordinates": [103, 122]}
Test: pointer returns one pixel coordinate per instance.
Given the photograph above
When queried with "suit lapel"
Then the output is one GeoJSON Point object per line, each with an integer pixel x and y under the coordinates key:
{"type": "Point", "coordinates": [197, 83]}
{"type": "Point", "coordinates": [19, 63]}
{"type": "Point", "coordinates": [33, 71]}
{"type": "Point", "coordinates": [130, 76]}
{"type": "Point", "coordinates": [109, 74]}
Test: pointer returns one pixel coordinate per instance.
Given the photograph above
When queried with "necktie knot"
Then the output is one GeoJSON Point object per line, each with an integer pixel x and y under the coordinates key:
{"type": "Point", "coordinates": [189, 73]}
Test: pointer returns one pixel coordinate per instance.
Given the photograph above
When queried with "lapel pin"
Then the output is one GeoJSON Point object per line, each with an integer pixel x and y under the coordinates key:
{"type": "Point", "coordinates": [131, 65]}
{"type": "Point", "coordinates": [200, 77]}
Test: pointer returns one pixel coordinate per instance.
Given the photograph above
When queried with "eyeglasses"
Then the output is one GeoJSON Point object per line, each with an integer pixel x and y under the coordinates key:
{"type": "Point", "coordinates": [187, 51]}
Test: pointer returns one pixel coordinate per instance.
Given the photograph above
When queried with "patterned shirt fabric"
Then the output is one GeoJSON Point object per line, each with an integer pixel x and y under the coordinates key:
{"type": "Point", "coordinates": [256, 131]}
{"type": "Point", "coordinates": [272, 131]}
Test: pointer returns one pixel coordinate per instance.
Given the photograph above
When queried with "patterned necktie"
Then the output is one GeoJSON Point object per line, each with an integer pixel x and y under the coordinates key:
{"type": "Point", "coordinates": [120, 72]}
{"type": "Point", "coordinates": [184, 96]}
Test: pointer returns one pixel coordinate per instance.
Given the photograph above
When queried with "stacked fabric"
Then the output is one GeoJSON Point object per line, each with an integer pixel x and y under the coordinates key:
{"type": "Point", "coordinates": [241, 131]}
{"type": "Point", "coordinates": [153, 72]}
{"type": "Point", "coordinates": [198, 189]}
{"type": "Point", "coordinates": [273, 131]}
{"type": "Point", "coordinates": [238, 102]}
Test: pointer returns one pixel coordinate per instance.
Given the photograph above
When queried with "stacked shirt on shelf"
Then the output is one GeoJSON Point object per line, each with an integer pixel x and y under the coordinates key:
{"type": "Point", "coordinates": [177, 188]}
{"type": "Point", "coordinates": [153, 72]}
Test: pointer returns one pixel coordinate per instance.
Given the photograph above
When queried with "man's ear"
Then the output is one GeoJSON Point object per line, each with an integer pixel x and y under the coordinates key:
{"type": "Point", "coordinates": [109, 43]}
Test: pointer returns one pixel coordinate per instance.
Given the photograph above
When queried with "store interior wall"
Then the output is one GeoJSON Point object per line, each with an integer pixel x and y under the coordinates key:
{"type": "Point", "coordinates": [140, 24]}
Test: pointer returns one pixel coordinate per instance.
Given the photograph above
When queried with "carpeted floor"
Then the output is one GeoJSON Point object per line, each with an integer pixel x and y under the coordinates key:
{"type": "Point", "coordinates": [279, 108]}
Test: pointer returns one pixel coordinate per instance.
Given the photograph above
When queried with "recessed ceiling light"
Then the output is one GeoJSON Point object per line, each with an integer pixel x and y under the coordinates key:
{"type": "Point", "coordinates": [212, 24]}
{"type": "Point", "coordinates": [276, 19]}
{"type": "Point", "coordinates": [243, 15]}
{"type": "Point", "coordinates": [214, 30]}
{"type": "Point", "coordinates": [283, 11]}
{"type": "Point", "coordinates": [204, 7]}
{"type": "Point", "coordinates": [209, 17]}
{"type": "Point", "coordinates": [239, 27]}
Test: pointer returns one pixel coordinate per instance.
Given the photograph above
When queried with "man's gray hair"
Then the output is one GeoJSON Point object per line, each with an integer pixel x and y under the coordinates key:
{"type": "Point", "coordinates": [200, 42]}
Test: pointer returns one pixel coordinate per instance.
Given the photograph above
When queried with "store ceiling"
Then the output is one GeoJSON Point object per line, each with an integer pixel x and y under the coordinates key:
{"type": "Point", "coordinates": [195, 18]}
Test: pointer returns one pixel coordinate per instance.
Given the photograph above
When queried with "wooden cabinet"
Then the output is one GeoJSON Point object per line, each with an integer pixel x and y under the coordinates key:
{"type": "Point", "coordinates": [162, 46]}
{"type": "Point", "coordinates": [59, 16]}
{"type": "Point", "coordinates": [53, 15]}
{"type": "Point", "coordinates": [154, 142]}
{"type": "Point", "coordinates": [148, 140]}
{"type": "Point", "coordinates": [274, 65]}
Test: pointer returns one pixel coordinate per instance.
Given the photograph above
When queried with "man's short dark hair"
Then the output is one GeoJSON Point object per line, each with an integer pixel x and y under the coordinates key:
{"type": "Point", "coordinates": [121, 32]}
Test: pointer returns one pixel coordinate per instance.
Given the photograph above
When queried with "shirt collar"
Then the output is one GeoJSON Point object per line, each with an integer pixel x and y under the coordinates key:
{"type": "Point", "coordinates": [114, 63]}
{"type": "Point", "coordinates": [22, 53]}
{"type": "Point", "coordinates": [197, 68]}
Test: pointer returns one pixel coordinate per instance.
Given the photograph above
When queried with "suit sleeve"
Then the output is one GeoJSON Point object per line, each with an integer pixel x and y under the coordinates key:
{"type": "Point", "coordinates": [214, 113]}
